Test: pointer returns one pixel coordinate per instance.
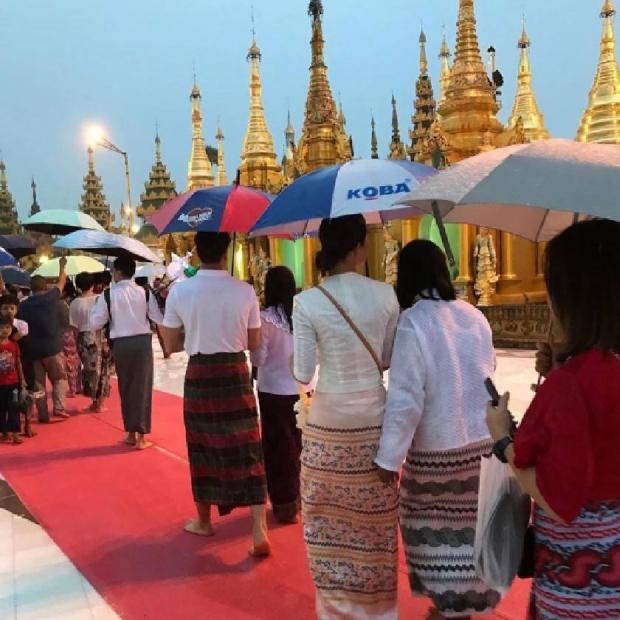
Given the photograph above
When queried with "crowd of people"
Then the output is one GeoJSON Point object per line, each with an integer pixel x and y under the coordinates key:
{"type": "Point", "coordinates": [368, 461]}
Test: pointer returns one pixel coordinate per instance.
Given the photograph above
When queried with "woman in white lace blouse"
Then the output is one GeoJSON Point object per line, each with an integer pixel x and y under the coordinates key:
{"type": "Point", "coordinates": [436, 417]}
{"type": "Point", "coordinates": [277, 395]}
{"type": "Point", "coordinates": [350, 517]}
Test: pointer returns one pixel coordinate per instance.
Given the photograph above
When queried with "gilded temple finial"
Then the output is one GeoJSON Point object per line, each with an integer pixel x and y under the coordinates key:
{"type": "Point", "coordinates": [445, 70]}
{"type": "Point", "coordinates": [469, 108]}
{"type": "Point", "coordinates": [397, 147]}
{"type": "Point", "coordinates": [34, 207]}
{"type": "Point", "coordinates": [601, 121]}
{"type": "Point", "coordinates": [157, 144]}
{"type": "Point", "coordinates": [321, 129]}
{"type": "Point", "coordinates": [199, 171]}
{"type": "Point", "coordinates": [423, 57]}
{"type": "Point", "coordinates": [259, 166]}
{"type": "Point", "coordinates": [525, 107]}
{"type": "Point", "coordinates": [222, 175]}
{"type": "Point", "coordinates": [93, 199]}
{"type": "Point", "coordinates": [374, 143]}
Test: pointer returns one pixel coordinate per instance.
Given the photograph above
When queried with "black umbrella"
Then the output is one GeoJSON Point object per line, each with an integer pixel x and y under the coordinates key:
{"type": "Point", "coordinates": [14, 276]}
{"type": "Point", "coordinates": [17, 245]}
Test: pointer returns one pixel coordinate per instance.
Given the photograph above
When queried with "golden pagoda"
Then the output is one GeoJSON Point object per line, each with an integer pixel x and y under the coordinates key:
{"type": "Point", "coordinates": [374, 143]}
{"type": "Point", "coordinates": [525, 110]}
{"type": "Point", "coordinates": [322, 142]}
{"type": "Point", "coordinates": [259, 165]}
{"type": "Point", "coordinates": [288, 160]}
{"type": "Point", "coordinates": [93, 199]}
{"type": "Point", "coordinates": [199, 172]}
{"type": "Point", "coordinates": [397, 146]}
{"type": "Point", "coordinates": [9, 224]}
{"type": "Point", "coordinates": [469, 110]}
{"type": "Point", "coordinates": [222, 175]}
{"type": "Point", "coordinates": [42, 242]}
{"type": "Point", "coordinates": [601, 121]}
{"type": "Point", "coordinates": [445, 70]}
{"type": "Point", "coordinates": [424, 106]}
{"type": "Point", "coordinates": [159, 189]}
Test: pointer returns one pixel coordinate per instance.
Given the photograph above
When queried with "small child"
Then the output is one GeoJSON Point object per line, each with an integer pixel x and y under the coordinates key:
{"type": "Point", "coordinates": [11, 382]}
{"type": "Point", "coordinates": [9, 304]}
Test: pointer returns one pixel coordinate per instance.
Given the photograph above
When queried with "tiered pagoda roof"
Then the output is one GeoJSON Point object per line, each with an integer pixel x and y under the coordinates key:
{"type": "Point", "coordinates": [159, 189]}
{"type": "Point", "coordinates": [93, 199]}
{"type": "Point", "coordinates": [9, 224]}
{"type": "Point", "coordinates": [425, 107]}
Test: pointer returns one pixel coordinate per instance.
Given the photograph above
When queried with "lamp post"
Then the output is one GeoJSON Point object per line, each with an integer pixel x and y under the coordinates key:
{"type": "Point", "coordinates": [97, 138]}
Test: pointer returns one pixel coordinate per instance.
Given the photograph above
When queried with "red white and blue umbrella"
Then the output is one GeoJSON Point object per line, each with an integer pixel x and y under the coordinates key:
{"type": "Point", "coordinates": [230, 208]}
{"type": "Point", "coordinates": [369, 187]}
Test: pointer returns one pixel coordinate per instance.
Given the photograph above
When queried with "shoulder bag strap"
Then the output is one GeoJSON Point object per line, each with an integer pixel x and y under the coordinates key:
{"type": "Point", "coordinates": [354, 327]}
{"type": "Point", "coordinates": [106, 296]}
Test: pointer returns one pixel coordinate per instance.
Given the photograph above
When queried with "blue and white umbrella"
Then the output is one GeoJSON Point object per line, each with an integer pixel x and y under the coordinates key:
{"type": "Point", "coordinates": [369, 187]}
{"type": "Point", "coordinates": [107, 244]}
{"type": "Point", "coordinates": [7, 259]}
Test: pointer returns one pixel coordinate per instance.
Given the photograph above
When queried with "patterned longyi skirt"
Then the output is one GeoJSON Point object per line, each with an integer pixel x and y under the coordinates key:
{"type": "Point", "coordinates": [222, 430]}
{"type": "Point", "coordinates": [438, 514]}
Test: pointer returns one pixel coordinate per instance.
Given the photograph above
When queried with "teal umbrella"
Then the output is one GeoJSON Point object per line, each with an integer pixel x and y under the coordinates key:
{"type": "Point", "coordinates": [58, 222]}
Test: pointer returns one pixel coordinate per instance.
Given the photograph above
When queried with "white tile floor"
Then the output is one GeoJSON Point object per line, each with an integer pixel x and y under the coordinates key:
{"type": "Point", "coordinates": [38, 582]}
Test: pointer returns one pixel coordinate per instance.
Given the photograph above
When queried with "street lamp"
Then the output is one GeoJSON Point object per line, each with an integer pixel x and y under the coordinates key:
{"type": "Point", "coordinates": [96, 138]}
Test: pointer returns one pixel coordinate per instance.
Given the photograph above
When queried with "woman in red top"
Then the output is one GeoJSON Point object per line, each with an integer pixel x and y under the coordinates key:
{"type": "Point", "coordinates": [565, 452]}
{"type": "Point", "coordinates": [11, 380]}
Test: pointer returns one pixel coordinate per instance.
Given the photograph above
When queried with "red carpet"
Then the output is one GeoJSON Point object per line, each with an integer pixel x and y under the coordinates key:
{"type": "Point", "coordinates": [118, 515]}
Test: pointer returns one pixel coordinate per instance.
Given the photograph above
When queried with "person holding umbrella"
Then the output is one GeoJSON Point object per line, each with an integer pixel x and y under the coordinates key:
{"type": "Point", "coordinates": [40, 311]}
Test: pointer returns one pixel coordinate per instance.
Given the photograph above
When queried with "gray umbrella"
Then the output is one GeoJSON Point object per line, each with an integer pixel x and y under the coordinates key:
{"type": "Point", "coordinates": [531, 190]}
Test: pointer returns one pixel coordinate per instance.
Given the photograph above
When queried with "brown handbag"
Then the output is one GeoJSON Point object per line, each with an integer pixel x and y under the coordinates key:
{"type": "Point", "coordinates": [354, 327]}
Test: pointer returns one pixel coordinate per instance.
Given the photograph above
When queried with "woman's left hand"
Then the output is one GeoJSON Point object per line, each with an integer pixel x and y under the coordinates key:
{"type": "Point", "coordinates": [499, 420]}
{"type": "Point", "coordinates": [386, 476]}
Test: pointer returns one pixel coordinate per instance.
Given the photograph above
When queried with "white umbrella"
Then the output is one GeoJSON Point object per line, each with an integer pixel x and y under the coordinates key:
{"type": "Point", "coordinates": [531, 190]}
{"type": "Point", "coordinates": [151, 271]}
{"type": "Point", "coordinates": [75, 265]}
{"type": "Point", "coordinates": [107, 244]}
{"type": "Point", "coordinates": [60, 222]}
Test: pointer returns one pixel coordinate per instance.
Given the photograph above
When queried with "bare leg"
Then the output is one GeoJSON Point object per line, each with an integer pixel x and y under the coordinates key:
{"type": "Point", "coordinates": [261, 547]}
{"type": "Point", "coordinates": [142, 443]}
{"type": "Point", "coordinates": [202, 525]}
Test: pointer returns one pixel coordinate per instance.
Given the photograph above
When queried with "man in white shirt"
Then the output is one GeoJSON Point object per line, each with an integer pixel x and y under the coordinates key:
{"type": "Point", "coordinates": [127, 308]}
{"type": "Point", "coordinates": [221, 318]}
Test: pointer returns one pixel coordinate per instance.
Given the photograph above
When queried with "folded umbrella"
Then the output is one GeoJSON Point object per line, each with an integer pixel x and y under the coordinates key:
{"type": "Point", "coordinates": [59, 222]}
{"type": "Point", "coordinates": [531, 190]}
{"type": "Point", "coordinates": [14, 276]}
{"type": "Point", "coordinates": [231, 208]}
{"type": "Point", "coordinates": [363, 186]}
{"type": "Point", "coordinates": [6, 259]}
{"type": "Point", "coordinates": [75, 265]}
{"type": "Point", "coordinates": [17, 245]}
{"type": "Point", "coordinates": [107, 244]}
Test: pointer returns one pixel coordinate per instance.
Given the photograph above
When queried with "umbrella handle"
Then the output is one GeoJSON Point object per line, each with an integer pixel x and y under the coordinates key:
{"type": "Point", "coordinates": [443, 234]}
{"type": "Point", "coordinates": [232, 262]}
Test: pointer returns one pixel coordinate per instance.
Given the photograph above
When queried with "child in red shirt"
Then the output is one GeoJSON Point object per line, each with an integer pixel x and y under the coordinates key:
{"type": "Point", "coordinates": [11, 380]}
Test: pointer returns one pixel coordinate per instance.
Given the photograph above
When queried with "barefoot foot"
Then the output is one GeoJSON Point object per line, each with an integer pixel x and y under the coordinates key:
{"type": "Point", "coordinates": [260, 550]}
{"type": "Point", "coordinates": [143, 444]}
{"type": "Point", "coordinates": [194, 527]}
{"type": "Point", "coordinates": [130, 439]}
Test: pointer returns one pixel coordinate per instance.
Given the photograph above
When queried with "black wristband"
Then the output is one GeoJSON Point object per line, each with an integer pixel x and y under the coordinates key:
{"type": "Point", "coordinates": [499, 449]}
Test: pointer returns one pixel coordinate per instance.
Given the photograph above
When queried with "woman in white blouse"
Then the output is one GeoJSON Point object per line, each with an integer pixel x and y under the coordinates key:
{"type": "Point", "coordinates": [435, 416]}
{"type": "Point", "coordinates": [277, 394]}
{"type": "Point", "coordinates": [350, 517]}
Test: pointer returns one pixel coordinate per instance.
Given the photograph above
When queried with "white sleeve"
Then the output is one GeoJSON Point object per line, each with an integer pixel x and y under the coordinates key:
{"type": "Point", "coordinates": [405, 398]}
{"type": "Point", "coordinates": [99, 315]}
{"type": "Point", "coordinates": [154, 312]}
{"type": "Point", "coordinates": [259, 357]}
{"type": "Point", "coordinates": [254, 320]}
{"type": "Point", "coordinates": [171, 317]}
{"type": "Point", "coordinates": [388, 343]}
{"type": "Point", "coordinates": [22, 326]}
{"type": "Point", "coordinates": [305, 346]}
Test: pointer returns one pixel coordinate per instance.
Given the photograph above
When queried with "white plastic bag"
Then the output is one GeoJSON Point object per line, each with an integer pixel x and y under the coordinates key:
{"type": "Point", "coordinates": [503, 517]}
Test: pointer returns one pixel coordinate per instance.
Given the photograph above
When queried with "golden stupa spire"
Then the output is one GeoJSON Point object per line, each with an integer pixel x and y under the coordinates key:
{"type": "Point", "coordinates": [91, 160]}
{"type": "Point", "coordinates": [259, 166]}
{"type": "Point", "coordinates": [397, 146]}
{"type": "Point", "coordinates": [222, 176]}
{"type": "Point", "coordinates": [445, 69]}
{"type": "Point", "coordinates": [601, 121]}
{"type": "Point", "coordinates": [199, 171]}
{"type": "Point", "coordinates": [374, 143]}
{"type": "Point", "coordinates": [323, 142]}
{"type": "Point", "coordinates": [525, 105]}
{"type": "Point", "coordinates": [469, 109]}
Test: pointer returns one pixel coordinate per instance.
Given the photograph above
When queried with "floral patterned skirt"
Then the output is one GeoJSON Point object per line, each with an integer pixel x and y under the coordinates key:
{"type": "Point", "coordinates": [89, 348]}
{"type": "Point", "coordinates": [72, 362]}
{"type": "Point", "coordinates": [350, 518]}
